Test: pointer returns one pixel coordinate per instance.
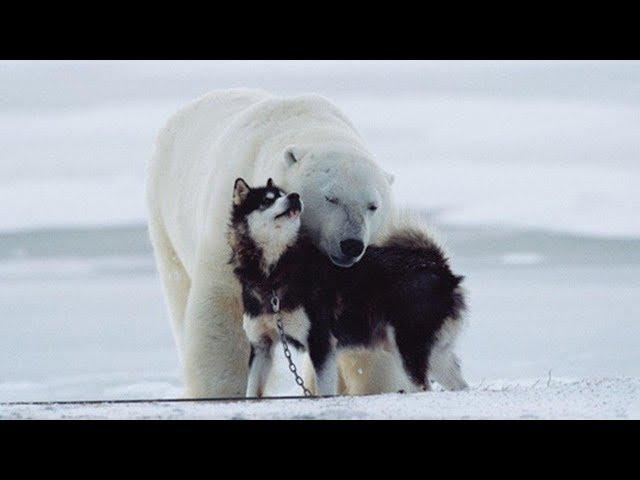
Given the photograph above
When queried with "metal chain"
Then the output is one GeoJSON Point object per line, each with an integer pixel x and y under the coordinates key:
{"type": "Point", "coordinates": [275, 306]}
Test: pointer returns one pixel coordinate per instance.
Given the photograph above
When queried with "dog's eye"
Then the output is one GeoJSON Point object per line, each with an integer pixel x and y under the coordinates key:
{"type": "Point", "coordinates": [372, 207]}
{"type": "Point", "coordinates": [333, 200]}
{"type": "Point", "coordinates": [269, 198]}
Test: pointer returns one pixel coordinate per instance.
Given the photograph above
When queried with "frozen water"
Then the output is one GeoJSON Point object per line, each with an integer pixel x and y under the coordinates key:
{"type": "Point", "coordinates": [95, 326]}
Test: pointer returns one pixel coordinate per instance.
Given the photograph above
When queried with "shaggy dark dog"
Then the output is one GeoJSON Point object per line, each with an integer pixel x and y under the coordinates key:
{"type": "Point", "coordinates": [401, 290]}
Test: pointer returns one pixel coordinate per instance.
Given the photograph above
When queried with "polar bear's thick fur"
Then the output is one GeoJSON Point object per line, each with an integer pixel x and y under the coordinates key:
{"type": "Point", "coordinates": [306, 145]}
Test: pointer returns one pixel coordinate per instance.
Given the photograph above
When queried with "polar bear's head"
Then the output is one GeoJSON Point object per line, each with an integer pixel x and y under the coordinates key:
{"type": "Point", "coordinates": [347, 198]}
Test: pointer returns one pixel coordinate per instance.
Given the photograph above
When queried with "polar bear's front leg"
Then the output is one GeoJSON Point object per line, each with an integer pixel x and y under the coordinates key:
{"type": "Point", "coordinates": [216, 350]}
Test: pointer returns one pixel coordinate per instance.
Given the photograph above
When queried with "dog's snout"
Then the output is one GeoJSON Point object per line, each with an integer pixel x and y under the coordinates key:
{"type": "Point", "coordinates": [294, 201]}
{"type": "Point", "coordinates": [351, 247]}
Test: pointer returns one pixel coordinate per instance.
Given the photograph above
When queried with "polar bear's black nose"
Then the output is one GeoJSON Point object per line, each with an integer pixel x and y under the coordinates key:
{"type": "Point", "coordinates": [351, 247]}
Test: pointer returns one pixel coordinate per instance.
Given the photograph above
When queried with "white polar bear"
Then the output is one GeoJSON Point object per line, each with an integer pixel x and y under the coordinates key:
{"type": "Point", "coordinates": [306, 145]}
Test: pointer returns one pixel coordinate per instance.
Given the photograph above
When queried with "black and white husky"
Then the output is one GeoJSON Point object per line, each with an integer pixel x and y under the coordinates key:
{"type": "Point", "coordinates": [401, 292]}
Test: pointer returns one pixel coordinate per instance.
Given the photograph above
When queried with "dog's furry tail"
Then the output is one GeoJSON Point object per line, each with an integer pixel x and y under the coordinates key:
{"type": "Point", "coordinates": [408, 230]}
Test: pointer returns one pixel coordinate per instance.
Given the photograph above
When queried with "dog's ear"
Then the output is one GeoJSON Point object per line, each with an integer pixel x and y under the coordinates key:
{"type": "Point", "coordinates": [240, 191]}
{"type": "Point", "coordinates": [270, 183]}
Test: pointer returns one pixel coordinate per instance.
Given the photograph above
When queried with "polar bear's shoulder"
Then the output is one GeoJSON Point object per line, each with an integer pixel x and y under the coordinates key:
{"type": "Point", "coordinates": [309, 102]}
{"type": "Point", "coordinates": [260, 101]}
{"type": "Point", "coordinates": [230, 97]}
{"type": "Point", "coordinates": [220, 101]}
{"type": "Point", "coordinates": [300, 110]}
{"type": "Point", "coordinates": [210, 109]}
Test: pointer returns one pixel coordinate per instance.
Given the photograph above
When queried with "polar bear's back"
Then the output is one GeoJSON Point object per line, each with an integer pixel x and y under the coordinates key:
{"type": "Point", "coordinates": [190, 133]}
{"type": "Point", "coordinates": [213, 111]}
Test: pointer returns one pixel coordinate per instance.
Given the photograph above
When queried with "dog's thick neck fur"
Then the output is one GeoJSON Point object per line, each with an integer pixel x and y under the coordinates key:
{"type": "Point", "coordinates": [250, 261]}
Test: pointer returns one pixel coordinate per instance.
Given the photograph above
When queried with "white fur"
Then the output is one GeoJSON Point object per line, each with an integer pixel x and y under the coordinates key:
{"type": "Point", "coordinates": [259, 371]}
{"type": "Point", "coordinates": [199, 153]}
{"type": "Point", "coordinates": [444, 365]}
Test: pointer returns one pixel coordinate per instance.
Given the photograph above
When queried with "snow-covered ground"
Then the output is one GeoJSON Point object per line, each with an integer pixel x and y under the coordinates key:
{"type": "Point", "coordinates": [597, 398]}
{"type": "Point", "coordinates": [528, 169]}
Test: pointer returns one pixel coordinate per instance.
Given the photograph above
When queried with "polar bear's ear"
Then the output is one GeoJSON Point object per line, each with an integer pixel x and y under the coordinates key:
{"type": "Point", "coordinates": [389, 176]}
{"type": "Point", "coordinates": [240, 191]}
{"type": "Point", "coordinates": [270, 183]}
{"type": "Point", "coordinates": [293, 154]}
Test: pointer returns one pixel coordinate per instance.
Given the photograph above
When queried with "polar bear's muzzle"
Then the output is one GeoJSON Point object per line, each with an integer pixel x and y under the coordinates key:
{"type": "Point", "coordinates": [342, 262]}
{"type": "Point", "coordinates": [351, 249]}
{"type": "Point", "coordinates": [349, 246]}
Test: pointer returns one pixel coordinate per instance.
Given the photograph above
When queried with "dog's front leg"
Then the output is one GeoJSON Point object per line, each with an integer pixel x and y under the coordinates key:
{"type": "Point", "coordinates": [322, 352]}
{"type": "Point", "coordinates": [327, 374]}
{"type": "Point", "coordinates": [260, 362]}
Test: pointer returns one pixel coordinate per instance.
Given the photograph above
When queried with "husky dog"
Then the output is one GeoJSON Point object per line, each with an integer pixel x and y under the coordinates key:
{"type": "Point", "coordinates": [402, 292]}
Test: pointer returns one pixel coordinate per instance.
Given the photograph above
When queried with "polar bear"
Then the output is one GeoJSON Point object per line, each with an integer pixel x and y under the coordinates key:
{"type": "Point", "coordinates": [306, 145]}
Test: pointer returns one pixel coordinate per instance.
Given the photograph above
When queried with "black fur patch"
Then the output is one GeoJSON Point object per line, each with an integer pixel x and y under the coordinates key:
{"type": "Point", "coordinates": [252, 305]}
{"type": "Point", "coordinates": [257, 199]}
{"type": "Point", "coordinates": [295, 343]}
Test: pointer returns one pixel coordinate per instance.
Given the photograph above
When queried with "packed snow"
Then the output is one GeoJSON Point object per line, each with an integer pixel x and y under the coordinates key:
{"type": "Point", "coordinates": [527, 170]}
{"type": "Point", "coordinates": [597, 398]}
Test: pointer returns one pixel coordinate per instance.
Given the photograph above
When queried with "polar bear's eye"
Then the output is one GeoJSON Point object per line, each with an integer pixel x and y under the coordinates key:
{"type": "Point", "coordinates": [333, 200]}
{"type": "Point", "coordinates": [372, 207]}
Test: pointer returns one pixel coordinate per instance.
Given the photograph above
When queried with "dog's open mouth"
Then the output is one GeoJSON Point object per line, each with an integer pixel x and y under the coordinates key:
{"type": "Point", "coordinates": [290, 212]}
